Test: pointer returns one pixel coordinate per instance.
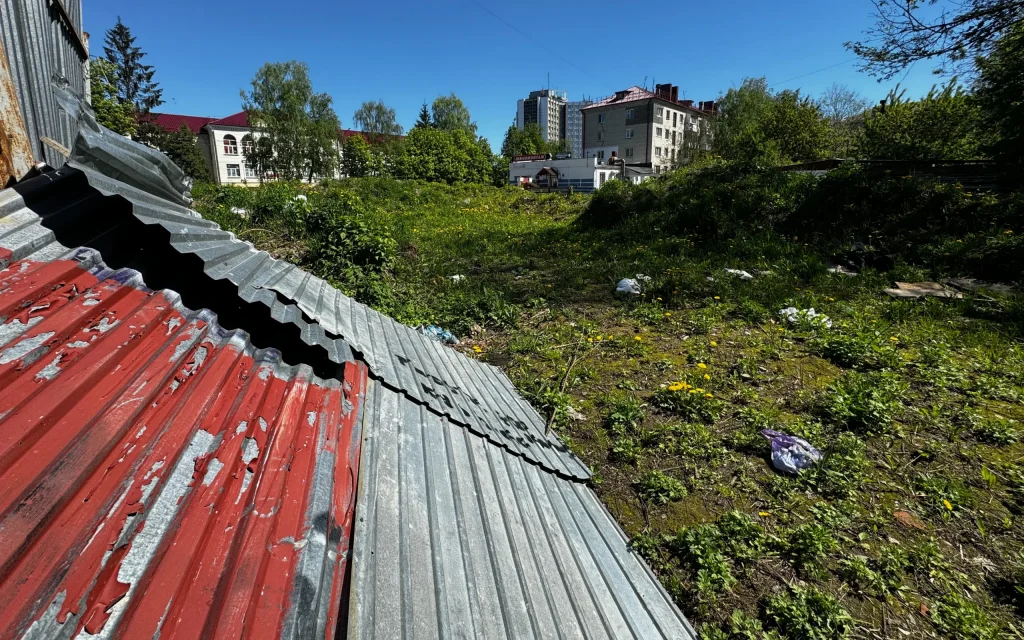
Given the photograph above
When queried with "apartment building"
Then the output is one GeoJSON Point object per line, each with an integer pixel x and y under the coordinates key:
{"type": "Point", "coordinates": [647, 128]}
{"type": "Point", "coordinates": [574, 126]}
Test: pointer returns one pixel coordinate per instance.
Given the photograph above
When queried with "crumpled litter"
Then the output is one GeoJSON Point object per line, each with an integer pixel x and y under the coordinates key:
{"type": "Point", "coordinates": [435, 332]}
{"type": "Point", "coordinates": [300, 197]}
{"type": "Point", "coordinates": [790, 453]}
{"type": "Point", "coordinates": [240, 212]}
{"type": "Point", "coordinates": [457, 278]}
{"type": "Point", "coordinates": [794, 315]}
{"type": "Point", "coordinates": [842, 271]}
{"type": "Point", "coordinates": [632, 286]}
{"type": "Point", "coordinates": [741, 274]}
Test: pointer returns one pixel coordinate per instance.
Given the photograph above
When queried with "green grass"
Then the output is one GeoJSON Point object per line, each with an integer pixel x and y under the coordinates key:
{"type": "Point", "coordinates": [917, 405]}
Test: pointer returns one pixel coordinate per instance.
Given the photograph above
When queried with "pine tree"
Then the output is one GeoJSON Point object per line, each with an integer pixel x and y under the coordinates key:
{"type": "Point", "coordinates": [180, 147]}
{"type": "Point", "coordinates": [134, 80]}
{"type": "Point", "coordinates": [424, 119]}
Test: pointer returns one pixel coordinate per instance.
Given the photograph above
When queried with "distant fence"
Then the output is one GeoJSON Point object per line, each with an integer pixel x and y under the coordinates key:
{"type": "Point", "coordinates": [980, 175]}
{"type": "Point", "coordinates": [44, 44]}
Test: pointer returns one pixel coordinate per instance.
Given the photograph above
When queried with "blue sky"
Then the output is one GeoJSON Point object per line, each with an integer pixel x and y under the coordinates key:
{"type": "Point", "coordinates": [490, 53]}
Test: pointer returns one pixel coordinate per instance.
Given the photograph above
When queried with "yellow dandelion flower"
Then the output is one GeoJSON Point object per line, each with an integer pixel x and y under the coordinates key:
{"type": "Point", "coordinates": [590, 339]}
{"type": "Point", "coordinates": [894, 339]}
{"type": "Point", "coordinates": [701, 365]}
{"type": "Point", "coordinates": [707, 377]}
{"type": "Point", "coordinates": [717, 298]}
{"type": "Point", "coordinates": [763, 514]}
{"type": "Point", "coordinates": [714, 344]}
{"type": "Point", "coordinates": [675, 387]}
{"type": "Point", "coordinates": [667, 314]}
{"type": "Point", "coordinates": [699, 390]}
{"type": "Point", "coordinates": [947, 504]}
{"type": "Point", "coordinates": [598, 338]}
{"type": "Point", "coordinates": [477, 349]}
{"type": "Point", "coordinates": [611, 337]}
{"type": "Point", "coordinates": [659, 299]}
{"type": "Point", "coordinates": [637, 338]}
{"type": "Point", "coordinates": [693, 391]}
{"type": "Point", "coordinates": [708, 395]}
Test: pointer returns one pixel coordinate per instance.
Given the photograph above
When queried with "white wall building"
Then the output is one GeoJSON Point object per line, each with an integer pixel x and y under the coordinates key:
{"type": "Point", "coordinates": [580, 174]}
{"type": "Point", "coordinates": [574, 126]}
{"type": "Point", "coordinates": [546, 108]}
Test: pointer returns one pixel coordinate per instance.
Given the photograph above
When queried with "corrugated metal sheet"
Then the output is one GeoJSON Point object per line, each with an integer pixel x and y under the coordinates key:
{"type": "Point", "coordinates": [470, 393]}
{"type": "Point", "coordinates": [43, 48]}
{"type": "Point", "coordinates": [455, 538]}
{"type": "Point", "coordinates": [158, 475]}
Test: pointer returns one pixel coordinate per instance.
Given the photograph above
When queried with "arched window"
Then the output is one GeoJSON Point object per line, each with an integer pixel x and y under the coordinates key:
{"type": "Point", "coordinates": [230, 145]}
{"type": "Point", "coordinates": [247, 144]}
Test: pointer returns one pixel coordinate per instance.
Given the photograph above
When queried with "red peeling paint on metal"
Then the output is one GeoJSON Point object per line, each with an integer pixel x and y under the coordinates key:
{"type": "Point", "coordinates": [97, 425]}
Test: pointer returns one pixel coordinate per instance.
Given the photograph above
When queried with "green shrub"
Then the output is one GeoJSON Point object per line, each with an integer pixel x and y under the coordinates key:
{"type": "Point", "coordinates": [945, 495]}
{"type": "Point", "coordinates": [959, 617]}
{"type": "Point", "coordinates": [659, 488]}
{"type": "Point", "coordinates": [808, 544]}
{"type": "Point", "coordinates": [700, 551]}
{"type": "Point", "coordinates": [625, 450]}
{"type": "Point", "coordinates": [808, 614]}
{"type": "Point", "coordinates": [842, 472]}
{"type": "Point", "coordinates": [994, 430]}
{"type": "Point", "coordinates": [865, 403]}
{"type": "Point", "coordinates": [625, 412]}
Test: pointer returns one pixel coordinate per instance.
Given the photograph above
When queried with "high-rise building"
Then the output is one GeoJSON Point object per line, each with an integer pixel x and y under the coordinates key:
{"type": "Point", "coordinates": [574, 126]}
{"type": "Point", "coordinates": [546, 109]}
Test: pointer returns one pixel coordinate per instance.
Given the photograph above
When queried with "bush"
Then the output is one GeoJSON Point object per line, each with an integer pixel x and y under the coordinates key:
{"type": "Point", "coordinates": [660, 488]}
{"type": "Point", "coordinates": [808, 614]}
{"type": "Point", "coordinates": [959, 617]}
{"type": "Point", "coordinates": [865, 402]}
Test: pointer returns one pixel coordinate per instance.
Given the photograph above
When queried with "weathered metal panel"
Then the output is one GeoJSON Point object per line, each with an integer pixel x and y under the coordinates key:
{"type": "Point", "coordinates": [456, 538]}
{"type": "Point", "coordinates": [158, 475]}
{"type": "Point", "coordinates": [44, 46]}
{"type": "Point", "coordinates": [15, 149]}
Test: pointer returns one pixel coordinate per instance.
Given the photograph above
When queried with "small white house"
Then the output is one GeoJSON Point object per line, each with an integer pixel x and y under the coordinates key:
{"type": "Point", "coordinates": [579, 174]}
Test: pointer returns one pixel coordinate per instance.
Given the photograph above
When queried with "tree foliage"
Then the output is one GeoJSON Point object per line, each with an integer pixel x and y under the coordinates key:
{"type": "Point", "coordinates": [180, 147]}
{"type": "Point", "coordinates": [448, 113]}
{"type": "Point", "coordinates": [424, 118]}
{"type": "Point", "coordinates": [376, 119]}
{"type": "Point", "coordinates": [113, 114]}
{"type": "Point", "coordinates": [297, 129]}
{"type": "Point", "coordinates": [1000, 95]}
{"type": "Point", "coordinates": [953, 34]}
{"type": "Point", "coordinates": [757, 125]}
{"type": "Point", "coordinates": [943, 125]}
{"type": "Point", "coordinates": [356, 158]}
{"type": "Point", "coordinates": [437, 155]}
{"type": "Point", "coordinates": [133, 79]}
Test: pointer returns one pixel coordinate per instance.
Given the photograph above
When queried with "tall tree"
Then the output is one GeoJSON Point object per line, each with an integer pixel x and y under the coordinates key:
{"type": "Point", "coordinates": [944, 125]}
{"type": "Point", "coordinates": [525, 141]}
{"type": "Point", "coordinates": [110, 111]}
{"type": "Point", "coordinates": [953, 35]}
{"type": "Point", "coordinates": [377, 120]}
{"type": "Point", "coordinates": [450, 114]}
{"type": "Point", "coordinates": [180, 147]}
{"type": "Point", "coordinates": [999, 92]}
{"type": "Point", "coordinates": [296, 129]}
{"type": "Point", "coordinates": [839, 103]}
{"type": "Point", "coordinates": [424, 118]}
{"type": "Point", "coordinates": [356, 158]}
{"type": "Point", "coordinates": [755, 124]}
{"type": "Point", "coordinates": [134, 83]}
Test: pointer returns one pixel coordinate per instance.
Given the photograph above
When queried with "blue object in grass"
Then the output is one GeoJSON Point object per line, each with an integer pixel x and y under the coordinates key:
{"type": "Point", "coordinates": [791, 454]}
{"type": "Point", "coordinates": [435, 332]}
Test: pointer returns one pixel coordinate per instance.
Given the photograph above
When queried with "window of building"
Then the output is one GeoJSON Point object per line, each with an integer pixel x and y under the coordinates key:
{"type": "Point", "coordinates": [659, 112]}
{"type": "Point", "coordinates": [600, 117]}
{"type": "Point", "coordinates": [247, 145]}
{"type": "Point", "coordinates": [249, 172]}
{"type": "Point", "coordinates": [657, 151]}
{"type": "Point", "coordinates": [674, 118]}
{"type": "Point", "coordinates": [601, 179]}
{"type": "Point", "coordinates": [629, 133]}
{"type": "Point", "coordinates": [629, 152]}
{"type": "Point", "coordinates": [629, 114]}
{"type": "Point", "coordinates": [231, 146]}
{"type": "Point", "coordinates": [600, 136]}
{"type": "Point", "coordinates": [600, 155]}
{"type": "Point", "coordinates": [673, 137]}
{"type": "Point", "coordinates": [234, 170]}
{"type": "Point", "coordinates": [658, 131]}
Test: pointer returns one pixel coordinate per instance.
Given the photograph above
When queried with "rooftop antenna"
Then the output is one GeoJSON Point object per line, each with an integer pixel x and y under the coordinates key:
{"type": "Point", "coordinates": [549, 81]}
{"type": "Point", "coordinates": [645, 83]}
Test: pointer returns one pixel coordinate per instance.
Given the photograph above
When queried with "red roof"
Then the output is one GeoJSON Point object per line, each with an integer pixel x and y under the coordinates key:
{"type": "Point", "coordinates": [240, 119]}
{"type": "Point", "coordinates": [634, 94]}
{"type": "Point", "coordinates": [158, 475]}
{"type": "Point", "coordinates": [173, 121]}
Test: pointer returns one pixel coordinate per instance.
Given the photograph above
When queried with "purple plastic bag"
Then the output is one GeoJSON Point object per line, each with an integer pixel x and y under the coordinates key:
{"type": "Point", "coordinates": [791, 454]}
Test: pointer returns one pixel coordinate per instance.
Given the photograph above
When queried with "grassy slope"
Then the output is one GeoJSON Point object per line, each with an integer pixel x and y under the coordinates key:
{"type": "Point", "coordinates": [912, 523]}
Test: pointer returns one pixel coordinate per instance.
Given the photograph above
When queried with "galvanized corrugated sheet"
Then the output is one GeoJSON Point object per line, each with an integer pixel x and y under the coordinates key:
{"type": "Point", "coordinates": [455, 538]}
{"type": "Point", "coordinates": [468, 392]}
{"type": "Point", "coordinates": [43, 43]}
{"type": "Point", "coordinates": [158, 475]}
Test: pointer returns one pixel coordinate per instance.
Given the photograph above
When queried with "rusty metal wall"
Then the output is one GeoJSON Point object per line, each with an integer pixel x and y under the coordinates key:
{"type": "Point", "coordinates": [43, 43]}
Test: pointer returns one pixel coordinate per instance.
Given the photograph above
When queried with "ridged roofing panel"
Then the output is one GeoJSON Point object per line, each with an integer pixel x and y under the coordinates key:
{"type": "Point", "coordinates": [158, 475]}
{"type": "Point", "coordinates": [455, 538]}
